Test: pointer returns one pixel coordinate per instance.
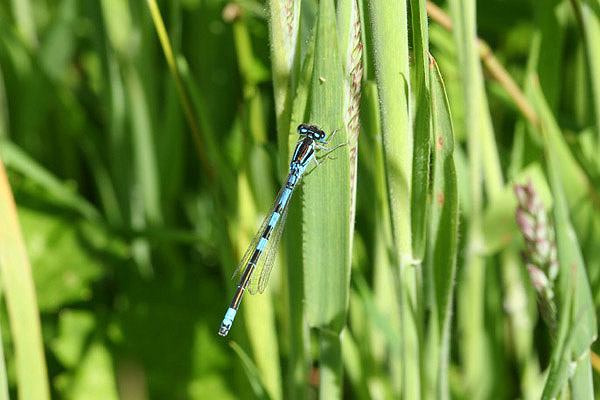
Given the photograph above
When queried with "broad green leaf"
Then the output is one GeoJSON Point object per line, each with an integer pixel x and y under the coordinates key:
{"type": "Point", "coordinates": [63, 270]}
{"type": "Point", "coordinates": [95, 376]}
{"type": "Point", "coordinates": [75, 327]}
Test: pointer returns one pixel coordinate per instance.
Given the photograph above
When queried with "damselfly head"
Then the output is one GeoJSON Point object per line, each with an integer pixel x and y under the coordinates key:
{"type": "Point", "coordinates": [312, 131]}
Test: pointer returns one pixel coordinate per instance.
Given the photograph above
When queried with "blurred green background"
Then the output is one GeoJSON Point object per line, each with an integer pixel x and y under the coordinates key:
{"type": "Point", "coordinates": [136, 198]}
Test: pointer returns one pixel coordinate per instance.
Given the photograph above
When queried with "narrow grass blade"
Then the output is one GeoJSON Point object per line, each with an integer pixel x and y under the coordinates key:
{"type": "Point", "coordinates": [558, 370]}
{"type": "Point", "coordinates": [376, 317]}
{"type": "Point", "coordinates": [421, 125]}
{"type": "Point", "coordinates": [145, 201]}
{"type": "Point", "coordinates": [386, 297]}
{"type": "Point", "coordinates": [257, 311]}
{"type": "Point", "coordinates": [143, 145]}
{"type": "Point", "coordinates": [443, 223]}
{"type": "Point", "coordinates": [284, 24]}
{"type": "Point", "coordinates": [18, 160]}
{"type": "Point", "coordinates": [330, 365]}
{"type": "Point", "coordinates": [588, 12]}
{"type": "Point", "coordinates": [19, 290]}
{"type": "Point", "coordinates": [185, 101]}
{"type": "Point", "coordinates": [256, 383]}
{"type": "Point", "coordinates": [349, 33]}
{"type": "Point", "coordinates": [482, 146]}
{"type": "Point", "coordinates": [3, 376]}
{"type": "Point", "coordinates": [483, 163]}
{"type": "Point", "coordinates": [389, 23]}
{"type": "Point", "coordinates": [582, 318]}
{"type": "Point", "coordinates": [390, 49]}
{"type": "Point", "coordinates": [24, 16]}
{"type": "Point", "coordinates": [354, 366]}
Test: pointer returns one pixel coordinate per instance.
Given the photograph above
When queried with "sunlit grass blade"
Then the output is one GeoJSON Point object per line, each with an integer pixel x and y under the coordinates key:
{"type": "Point", "coordinates": [24, 16]}
{"type": "Point", "coordinates": [349, 34]}
{"type": "Point", "coordinates": [390, 49]}
{"type": "Point", "coordinates": [19, 292]}
{"type": "Point", "coordinates": [258, 310]}
{"type": "Point", "coordinates": [326, 210]}
{"type": "Point", "coordinates": [145, 204]}
{"type": "Point", "coordinates": [3, 377]}
{"type": "Point", "coordinates": [284, 23]}
{"type": "Point", "coordinates": [389, 24]}
{"type": "Point", "coordinates": [327, 190]}
{"type": "Point", "coordinates": [482, 164]}
{"type": "Point", "coordinates": [380, 321]}
{"type": "Point", "coordinates": [354, 366]}
{"type": "Point", "coordinates": [185, 102]}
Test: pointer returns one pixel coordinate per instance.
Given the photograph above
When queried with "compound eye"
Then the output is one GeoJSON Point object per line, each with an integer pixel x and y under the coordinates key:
{"type": "Point", "coordinates": [302, 129]}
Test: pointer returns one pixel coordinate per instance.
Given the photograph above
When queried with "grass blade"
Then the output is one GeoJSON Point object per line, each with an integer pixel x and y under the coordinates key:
{"type": "Point", "coordinates": [588, 12]}
{"type": "Point", "coordinates": [18, 160]}
{"type": "Point", "coordinates": [252, 372]}
{"type": "Point", "coordinates": [185, 101]}
{"type": "Point", "coordinates": [284, 24]}
{"type": "Point", "coordinates": [17, 281]}
{"type": "Point", "coordinates": [443, 223]}
{"type": "Point", "coordinates": [299, 346]}
{"type": "Point", "coordinates": [390, 47]}
{"type": "Point", "coordinates": [326, 210]}
{"type": "Point", "coordinates": [327, 191]}
{"type": "Point", "coordinates": [349, 26]}
{"type": "Point", "coordinates": [573, 281]}
{"type": "Point", "coordinates": [422, 145]}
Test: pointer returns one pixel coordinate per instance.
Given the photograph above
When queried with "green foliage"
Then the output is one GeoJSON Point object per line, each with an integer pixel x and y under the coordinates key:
{"type": "Point", "coordinates": [144, 142]}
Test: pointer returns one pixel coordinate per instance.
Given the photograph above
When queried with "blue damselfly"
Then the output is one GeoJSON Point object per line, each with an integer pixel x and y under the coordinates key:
{"type": "Point", "coordinates": [260, 256]}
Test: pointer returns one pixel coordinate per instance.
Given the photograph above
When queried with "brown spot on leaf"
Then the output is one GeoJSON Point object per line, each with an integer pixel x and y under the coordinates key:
{"type": "Point", "coordinates": [441, 198]}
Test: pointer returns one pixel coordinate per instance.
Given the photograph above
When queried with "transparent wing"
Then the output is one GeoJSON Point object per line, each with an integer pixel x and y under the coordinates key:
{"type": "Point", "coordinates": [274, 237]}
{"type": "Point", "coordinates": [244, 262]}
{"type": "Point", "coordinates": [261, 278]}
{"type": "Point", "coordinates": [265, 263]}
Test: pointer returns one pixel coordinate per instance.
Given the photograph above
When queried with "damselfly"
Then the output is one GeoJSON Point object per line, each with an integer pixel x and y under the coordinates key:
{"type": "Point", "coordinates": [260, 256]}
